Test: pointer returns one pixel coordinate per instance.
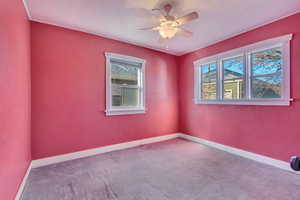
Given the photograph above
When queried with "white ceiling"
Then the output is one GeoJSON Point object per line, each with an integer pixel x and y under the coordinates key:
{"type": "Point", "coordinates": [121, 19]}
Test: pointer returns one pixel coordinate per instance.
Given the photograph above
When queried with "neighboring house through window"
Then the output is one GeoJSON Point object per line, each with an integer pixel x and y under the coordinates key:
{"type": "Point", "coordinates": [125, 88]}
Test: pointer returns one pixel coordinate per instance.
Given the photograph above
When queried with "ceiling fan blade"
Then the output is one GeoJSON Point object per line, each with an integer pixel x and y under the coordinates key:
{"type": "Point", "coordinates": [187, 18]}
{"type": "Point", "coordinates": [185, 33]}
{"type": "Point", "coordinates": [160, 12]}
{"type": "Point", "coordinates": [153, 28]}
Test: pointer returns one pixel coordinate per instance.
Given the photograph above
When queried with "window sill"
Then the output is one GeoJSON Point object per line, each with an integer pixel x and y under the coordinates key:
{"type": "Point", "coordinates": [125, 111]}
{"type": "Point", "coordinates": [273, 102]}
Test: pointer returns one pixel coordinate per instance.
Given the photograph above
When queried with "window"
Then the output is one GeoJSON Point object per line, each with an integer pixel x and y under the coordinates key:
{"type": "Point", "coordinates": [124, 84]}
{"type": "Point", "coordinates": [256, 74]}
{"type": "Point", "coordinates": [209, 81]}
{"type": "Point", "coordinates": [233, 78]}
{"type": "Point", "coordinates": [266, 70]}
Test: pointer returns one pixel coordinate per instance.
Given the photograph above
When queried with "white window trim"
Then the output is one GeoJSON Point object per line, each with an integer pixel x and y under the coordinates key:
{"type": "Point", "coordinates": [124, 110]}
{"type": "Point", "coordinates": [283, 41]}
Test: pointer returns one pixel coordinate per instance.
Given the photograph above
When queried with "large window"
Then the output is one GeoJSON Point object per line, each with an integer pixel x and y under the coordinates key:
{"type": "Point", "coordinates": [257, 74]}
{"type": "Point", "coordinates": [124, 84]}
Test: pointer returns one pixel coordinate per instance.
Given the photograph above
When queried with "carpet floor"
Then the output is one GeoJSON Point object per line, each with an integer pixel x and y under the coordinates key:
{"type": "Point", "coordinates": [172, 170]}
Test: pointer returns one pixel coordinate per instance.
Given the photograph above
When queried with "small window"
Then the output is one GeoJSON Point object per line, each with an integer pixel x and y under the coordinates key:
{"type": "Point", "coordinates": [257, 74]}
{"type": "Point", "coordinates": [124, 85]}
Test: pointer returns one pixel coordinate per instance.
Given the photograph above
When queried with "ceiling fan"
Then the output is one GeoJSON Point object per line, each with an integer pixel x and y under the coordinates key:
{"type": "Point", "coordinates": [169, 26]}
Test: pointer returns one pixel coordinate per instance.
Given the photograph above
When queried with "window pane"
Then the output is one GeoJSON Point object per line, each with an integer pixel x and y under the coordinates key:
{"type": "Point", "coordinates": [209, 79]}
{"type": "Point", "coordinates": [267, 86]}
{"type": "Point", "coordinates": [123, 96]}
{"type": "Point", "coordinates": [266, 62]}
{"type": "Point", "coordinates": [124, 74]}
{"type": "Point", "coordinates": [130, 96]}
{"type": "Point", "coordinates": [209, 73]}
{"type": "Point", "coordinates": [267, 73]}
{"type": "Point", "coordinates": [234, 79]}
{"type": "Point", "coordinates": [234, 89]}
{"type": "Point", "coordinates": [209, 91]}
{"type": "Point", "coordinates": [234, 68]}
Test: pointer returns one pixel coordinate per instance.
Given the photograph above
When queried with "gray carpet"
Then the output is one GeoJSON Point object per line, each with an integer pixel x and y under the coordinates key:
{"type": "Point", "coordinates": [170, 170]}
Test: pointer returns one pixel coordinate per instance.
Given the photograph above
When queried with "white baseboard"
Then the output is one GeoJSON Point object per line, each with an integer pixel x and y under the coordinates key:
{"type": "Point", "coordinates": [95, 151]}
{"type": "Point", "coordinates": [22, 185]}
{"type": "Point", "coordinates": [90, 152]}
{"type": "Point", "coordinates": [253, 156]}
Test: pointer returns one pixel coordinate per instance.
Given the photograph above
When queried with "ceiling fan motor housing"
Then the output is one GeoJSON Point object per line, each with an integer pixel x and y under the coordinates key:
{"type": "Point", "coordinates": [168, 8]}
{"type": "Point", "coordinates": [295, 163]}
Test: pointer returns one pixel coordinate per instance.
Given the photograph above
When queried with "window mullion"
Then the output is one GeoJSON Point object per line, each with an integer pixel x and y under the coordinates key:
{"type": "Point", "coordinates": [285, 89]}
{"type": "Point", "coordinates": [199, 78]}
{"type": "Point", "coordinates": [247, 57]}
{"type": "Point", "coordinates": [110, 85]}
{"type": "Point", "coordinates": [220, 79]}
{"type": "Point", "coordinates": [139, 78]}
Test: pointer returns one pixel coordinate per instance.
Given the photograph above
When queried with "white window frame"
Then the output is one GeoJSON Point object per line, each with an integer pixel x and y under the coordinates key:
{"type": "Point", "coordinates": [124, 110]}
{"type": "Point", "coordinates": [246, 51]}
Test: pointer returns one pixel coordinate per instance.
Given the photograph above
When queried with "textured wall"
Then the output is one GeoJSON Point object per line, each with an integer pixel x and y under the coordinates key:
{"type": "Point", "coordinates": [68, 93]}
{"type": "Point", "coordinates": [268, 130]}
{"type": "Point", "coordinates": [14, 96]}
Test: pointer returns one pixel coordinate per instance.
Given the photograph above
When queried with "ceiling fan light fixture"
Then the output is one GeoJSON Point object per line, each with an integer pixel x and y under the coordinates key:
{"type": "Point", "coordinates": [167, 32]}
{"type": "Point", "coordinates": [168, 29]}
{"type": "Point", "coordinates": [169, 25]}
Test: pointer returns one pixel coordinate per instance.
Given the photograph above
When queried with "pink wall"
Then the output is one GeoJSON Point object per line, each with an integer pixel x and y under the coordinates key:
{"type": "Point", "coordinates": [14, 96]}
{"type": "Point", "coordinates": [268, 130]}
{"type": "Point", "coordinates": [68, 96]}
{"type": "Point", "coordinates": [68, 93]}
